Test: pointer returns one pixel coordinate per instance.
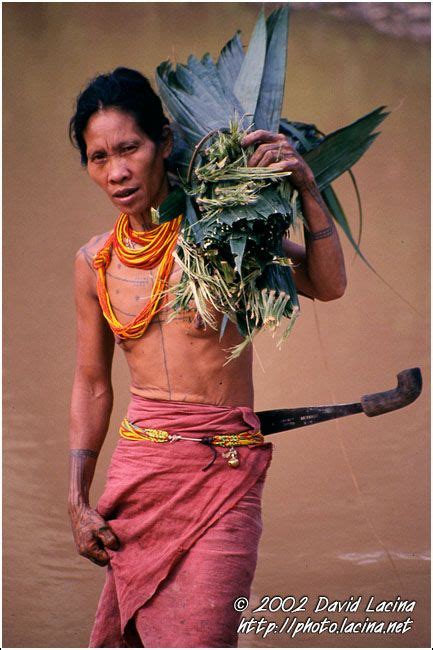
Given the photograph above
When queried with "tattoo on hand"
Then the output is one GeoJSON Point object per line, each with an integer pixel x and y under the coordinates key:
{"type": "Point", "coordinates": [322, 234]}
{"type": "Point", "coordinates": [92, 535]}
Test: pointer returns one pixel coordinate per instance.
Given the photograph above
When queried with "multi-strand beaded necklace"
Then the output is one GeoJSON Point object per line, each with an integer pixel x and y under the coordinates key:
{"type": "Point", "coordinates": [155, 247]}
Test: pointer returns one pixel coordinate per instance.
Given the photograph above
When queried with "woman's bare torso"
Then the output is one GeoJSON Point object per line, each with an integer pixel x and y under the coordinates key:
{"type": "Point", "coordinates": [180, 360]}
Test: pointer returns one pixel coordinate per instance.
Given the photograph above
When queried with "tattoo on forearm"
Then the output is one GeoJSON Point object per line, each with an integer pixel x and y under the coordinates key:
{"type": "Point", "coordinates": [322, 234]}
{"type": "Point", "coordinates": [90, 530]}
{"type": "Point", "coordinates": [82, 467]}
{"type": "Point", "coordinates": [314, 191]}
{"type": "Point", "coordinates": [82, 453]}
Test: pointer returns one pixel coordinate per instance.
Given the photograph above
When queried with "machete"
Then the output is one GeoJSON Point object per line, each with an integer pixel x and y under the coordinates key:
{"type": "Point", "coordinates": [409, 386]}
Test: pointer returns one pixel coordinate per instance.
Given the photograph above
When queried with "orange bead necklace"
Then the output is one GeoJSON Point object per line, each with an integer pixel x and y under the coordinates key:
{"type": "Point", "coordinates": [155, 248]}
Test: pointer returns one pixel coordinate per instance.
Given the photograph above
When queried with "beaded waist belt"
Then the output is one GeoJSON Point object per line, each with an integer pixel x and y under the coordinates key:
{"type": "Point", "coordinates": [231, 440]}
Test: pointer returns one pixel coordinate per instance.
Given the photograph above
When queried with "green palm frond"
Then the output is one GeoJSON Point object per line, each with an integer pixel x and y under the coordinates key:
{"type": "Point", "coordinates": [230, 61]}
{"type": "Point", "coordinates": [341, 149]}
{"type": "Point", "coordinates": [248, 82]}
{"type": "Point", "coordinates": [236, 216]}
{"type": "Point", "coordinates": [270, 101]}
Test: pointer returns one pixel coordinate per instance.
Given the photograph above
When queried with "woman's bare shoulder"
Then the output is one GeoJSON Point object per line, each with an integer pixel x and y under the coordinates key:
{"type": "Point", "coordinates": [93, 246]}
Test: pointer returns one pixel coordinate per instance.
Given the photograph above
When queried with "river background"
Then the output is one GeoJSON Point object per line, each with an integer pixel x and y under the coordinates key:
{"type": "Point", "coordinates": [346, 503]}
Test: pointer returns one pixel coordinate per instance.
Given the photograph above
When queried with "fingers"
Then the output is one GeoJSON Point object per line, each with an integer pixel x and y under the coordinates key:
{"type": "Point", "coordinates": [268, 151]}
{"type": "Point", "coordinates": [107, 538]}
{"type": "Point", "coordinates": [272, 148]}
{"type": "Point", "coordinates": [99, 557]}
{"type": "Point", "coordinates": [281, 166]}
{"type": "Point", "coordinates": [92, 536]}
{"type": "Point", "coordinates": [90, 550]}
{"type": "Point", "coordinates": [266, 154]}
{"type": "Point", "coordinates": [95, 561]}
{"type": "Point", "coordinates": [262, 136]}
{"type": "Point", "coordinates": [276, 153]}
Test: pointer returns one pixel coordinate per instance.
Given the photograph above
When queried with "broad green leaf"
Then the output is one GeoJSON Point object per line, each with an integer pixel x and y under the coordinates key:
{"type": "Point", "coordinates": [192, 221]}
{"type": "Point", "coordinates": [358, 199]}
{"type": "Point", "coordinates": [271, 202]}
{"type": "Point", "coordinates": [222, 88]}
{"type": "Point", "coordinates": [350, 135]}
{"type": "Point", "coordinates": [334, 206]}
{"type": "Point", "coordinates": [270, 101]}
{"type": "Point", "coordinates": [172, 206]}
{"type": "Point", "coordinates": [204, 93]}
{"type": "Point", "coordinates": [198, 101]}
{"type": "Point", "coordinates": [230, 61]}
{"type": "Point", "coordinates": [180, 156]}
{"type": "Point", "coordinates": [237, 247]}
{"type": "Point", "coordinates": [288, 128]}
{"type": "Point", "coordinates": [336, 210]}
{"type": "Point", "coordinates": [230, 216]}
{"type": "Point", "coordinates": [207, 73]}
{"type": "Point", "coordinates": [339, 150]}
{"type": "Point", "coordinates": [247, 85]}
{"type": "Point", "coordinates": [190, 117]}
{"type": "Point", "coordinates": [327, 169]}
{"type": "Point", "coordinates": [190, 130]}
{"type": "Point", "coordinates": [302, 136]}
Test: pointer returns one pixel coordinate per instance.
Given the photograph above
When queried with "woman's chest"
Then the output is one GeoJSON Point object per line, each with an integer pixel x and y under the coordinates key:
{"type": "Point", "coordinates": [131, 290]}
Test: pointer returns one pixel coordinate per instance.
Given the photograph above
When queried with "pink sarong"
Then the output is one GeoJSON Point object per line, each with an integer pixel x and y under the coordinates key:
{"type": "Point", "coordinates": [188, 537]}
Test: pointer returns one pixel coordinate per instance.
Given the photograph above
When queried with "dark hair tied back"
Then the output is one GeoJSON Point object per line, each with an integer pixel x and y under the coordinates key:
{"type": "Point", "coordinates": [125, 89]}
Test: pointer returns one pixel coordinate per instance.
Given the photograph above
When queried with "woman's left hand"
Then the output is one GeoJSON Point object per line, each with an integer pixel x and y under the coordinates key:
{"type": "Point", "coordinates": [275, 151]}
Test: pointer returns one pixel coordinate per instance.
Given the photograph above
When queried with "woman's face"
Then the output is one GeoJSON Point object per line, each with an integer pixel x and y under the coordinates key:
{"type": "Point", "coordinates": [126, 163]}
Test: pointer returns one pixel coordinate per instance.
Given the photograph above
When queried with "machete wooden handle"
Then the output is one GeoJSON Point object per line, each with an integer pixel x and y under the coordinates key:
{"type": "Point", "coordinates": [409, 385]}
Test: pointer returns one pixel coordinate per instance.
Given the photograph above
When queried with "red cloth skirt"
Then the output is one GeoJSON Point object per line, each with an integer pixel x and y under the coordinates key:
{"type": "Point", "coordinates": [188, 536]}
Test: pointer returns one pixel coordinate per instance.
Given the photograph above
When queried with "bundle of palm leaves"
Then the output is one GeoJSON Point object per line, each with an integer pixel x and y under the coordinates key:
{"type": "Point", "coordinates": [236, 216]}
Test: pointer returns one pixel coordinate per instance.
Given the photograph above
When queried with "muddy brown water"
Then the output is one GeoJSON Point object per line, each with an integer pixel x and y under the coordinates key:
{"type": "Point", "coordinates": [345, 506]}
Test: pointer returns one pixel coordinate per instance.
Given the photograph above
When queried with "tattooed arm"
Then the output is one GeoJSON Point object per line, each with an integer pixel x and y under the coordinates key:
{"type": "Point", "coordinates": [91, 405]}
{"type": "Point", "coordinates": [319, 270]}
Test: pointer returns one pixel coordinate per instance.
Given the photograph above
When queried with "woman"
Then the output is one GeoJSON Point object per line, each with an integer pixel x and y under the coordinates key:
{"type": "Point", "coordinates": [178, 524]}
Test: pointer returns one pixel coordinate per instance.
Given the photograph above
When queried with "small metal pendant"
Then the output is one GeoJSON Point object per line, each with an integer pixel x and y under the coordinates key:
{"type": "Point", "coordinates": [233, 459]}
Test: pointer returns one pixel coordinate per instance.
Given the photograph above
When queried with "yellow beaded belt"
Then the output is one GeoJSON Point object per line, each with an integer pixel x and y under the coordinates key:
{"type": "Point", "coordinates": [231, 440]}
